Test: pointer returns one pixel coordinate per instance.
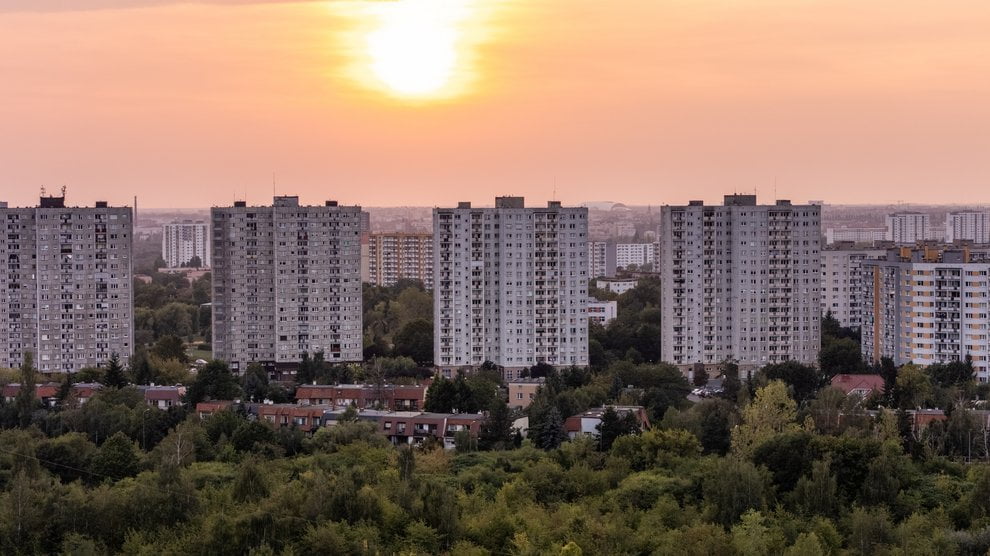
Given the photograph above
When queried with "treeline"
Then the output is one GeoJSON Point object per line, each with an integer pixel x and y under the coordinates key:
{"type": "Point", "coordinates": [772, 476]}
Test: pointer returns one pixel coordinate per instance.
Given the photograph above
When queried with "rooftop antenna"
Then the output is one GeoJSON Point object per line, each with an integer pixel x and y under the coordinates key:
{"type": "Point", "coordinates": [554, 188]}
{"type": "Point", "coordinates": [63, 191]}
{"type": "Point", "coordinates": [42, 191]}
{"type": "Point", "coordinates": [273, 183]}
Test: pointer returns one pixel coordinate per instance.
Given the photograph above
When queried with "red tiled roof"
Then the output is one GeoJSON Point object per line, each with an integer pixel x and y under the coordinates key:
{"type": "Point", "coordinates": [848, 383]}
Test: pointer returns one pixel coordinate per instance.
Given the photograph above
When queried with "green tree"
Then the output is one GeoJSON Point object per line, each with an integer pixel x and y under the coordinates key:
{"type": "Point", "coordinates": [255, 382]}
{"type": "Point", "coordinates": [415, 340]}
{"type": "Point", "coordinates": [117, 458]}
{"type": "Point", "coordinates": [772, 412]}
{"type": "Point", "coordinates": [913, 388]}
{"type": "Point", "coordinates": [170, 346]}
{"type": "Point", "coordinates": [213, 382]}
{"type": "Point", "coordinates": [496, 432]}
{"type": "Point", "coordinates": [732, 487]}
{"type": "Point", "coordinates": [549, 432]}
{"type": "Point", "coordinates": [114, 377]}
{"type": "Point", "coordinates": [817, 493]}
{"type": "Point", "coordinates": [804, 380]}
{"type": "Point", "coordinates": [25, 400]}
{"type": "Point", "coordinates": [613, 425]}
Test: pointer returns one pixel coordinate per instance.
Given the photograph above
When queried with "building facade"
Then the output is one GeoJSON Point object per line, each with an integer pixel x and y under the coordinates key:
{"type": "Point", "coordinates": [602, 312]}
{"type": "Point", "coordinates": [842, 283]}
{"type": "Point", "coordinates": [398, 256]}
{"type": "Point", "coordinates": [181, 241]}
{"type": "Point", "coordinates": [601, 259]}
{"type": "Point", "coordinates": [66, 292]}
{"type": "Point", "coordinates": [927, 306]}
{"type": "Point", "coordinates": [968, 225]}
{"type": "Point", "coordinates": [741, 282]}
{"type": "Point", "coordinates": [286, 281]}
{"type": "Point", "coordinates": [638, 254]}
{"type": "Point", "coordinates": [510, 285]}
{"type": "Point", "coordinates": [855, 235]}
{"type": "Point", "coordinates": [908, 228]}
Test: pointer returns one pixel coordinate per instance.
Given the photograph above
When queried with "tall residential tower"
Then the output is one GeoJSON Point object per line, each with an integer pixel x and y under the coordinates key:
{"type": "Point", "coordinates": [66, 291]}
{"type": "Point", "coordinates": [741, 282]}
{"type": "Point", "coordinates": [510, 285]}
{"type": "Point", "coordinates": [286, 281]}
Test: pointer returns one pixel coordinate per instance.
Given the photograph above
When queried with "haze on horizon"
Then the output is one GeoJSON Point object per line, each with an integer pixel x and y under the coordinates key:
{"type": "Point", "coordinates": [427, 102]}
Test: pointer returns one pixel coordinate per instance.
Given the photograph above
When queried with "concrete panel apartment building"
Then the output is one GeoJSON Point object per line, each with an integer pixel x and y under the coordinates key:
{"type": "Point", "coordinates": [842, 282]}
{"type": "Point", "coordinates": [927, 306]}
{"type": "Point", "coordinates": [181, 241]}
{"type": "Point", "coordinates": [968, 225]}
{"type": "Point", "coordinates": [510, 285]}
{"type": "Point", "coordinates": [741, 281]}
{"type": "Point", "coordinates": [66, 290]}
{"type": "Point", "coordinates": [401, 255]}
{"type": "Point", "coordinates": [286, 281]}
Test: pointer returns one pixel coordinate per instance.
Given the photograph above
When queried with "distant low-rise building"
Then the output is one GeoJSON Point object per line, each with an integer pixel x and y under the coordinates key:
{"type": "Point", "coordinates": [617, 285]}
{"type": "Point", "coordinates": [602, 312]}
{"type": "Point", "coordinates": [861, 385]}
{"type": "Point", "coordinates": [48, 392]}
{"type": "Point", "coordinates": [522, 391]}
{"type": "Point", "coordinates": [586, 423]}
{"type": "Point", "coordinates": [306, 418]}
{"type": "Point", "coordinates": [205, 410]}
{"type": "Point", "coordinates": [390, 397]}
{"type": "Point", "coordinates": [162, 397]}
{"type": "Point", "coordinates": [413, 427]}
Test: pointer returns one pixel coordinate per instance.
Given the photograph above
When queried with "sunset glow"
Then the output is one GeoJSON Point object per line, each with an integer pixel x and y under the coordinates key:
{"type": "Point", "coordinates": [416, 49]}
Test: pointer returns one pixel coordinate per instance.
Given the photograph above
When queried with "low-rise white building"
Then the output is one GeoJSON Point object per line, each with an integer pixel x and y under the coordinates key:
{"type": "Point", "coordinates": [602, 312]}
{"type": "Point", "coordinates": [617, 285]}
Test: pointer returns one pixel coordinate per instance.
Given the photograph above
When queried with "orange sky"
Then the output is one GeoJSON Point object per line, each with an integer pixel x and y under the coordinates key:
{"type": "Point", "coordinates": [646, 102]}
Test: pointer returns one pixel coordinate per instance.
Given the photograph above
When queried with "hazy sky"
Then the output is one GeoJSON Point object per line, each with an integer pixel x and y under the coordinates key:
{"type": "Point", "coordinates": [427, 102]}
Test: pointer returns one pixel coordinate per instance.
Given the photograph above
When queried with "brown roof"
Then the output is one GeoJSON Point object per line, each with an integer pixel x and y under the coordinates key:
{"type": "Point", "coordinates": [847, 383]}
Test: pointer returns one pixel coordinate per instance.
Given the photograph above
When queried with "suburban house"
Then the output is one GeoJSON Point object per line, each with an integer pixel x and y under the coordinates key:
{"type": "Point", "coordinates": [587, 423]}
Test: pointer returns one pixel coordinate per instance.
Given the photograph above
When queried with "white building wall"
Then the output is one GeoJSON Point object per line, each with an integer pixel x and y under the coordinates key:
{"type": "Point", "coordinates": [181, 241]}
{"type": "Point", "coordinates": [908, 227]}
{"type": "Point", "coordinates": [967, 225]}
{"type": "Point", "coordinates": [633, 253]}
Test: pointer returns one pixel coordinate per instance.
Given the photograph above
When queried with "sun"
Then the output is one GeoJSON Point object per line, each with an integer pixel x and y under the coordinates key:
{"type": "Point", "coordinates": [418, 50]}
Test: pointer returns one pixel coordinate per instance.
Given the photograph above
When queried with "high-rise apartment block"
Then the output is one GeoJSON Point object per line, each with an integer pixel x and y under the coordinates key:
{"type": "Point", "coordinates": [741, 282]}
{"type": "Point", "coordinates": [66, 289]}
{"type": "Point", "coordinates": [842, 283]}
{"type": "Point", "coordinates": [182, 241]}
{"type": "Point", "coordinates": [927, 306]}
{"type": "Point", "coordinates": [601, 259]}
{"type": "Point", "coordinates": [510, 285]}
{"type": "Point", "coordinates": [907, 228]}
{"type": "Point", "coordinates": [397, 256]}
{"type": "Point", "coordinates": [968, 225]}
{"type": "Point", "coordinates": [286, 281]}
{"type": "Point", "coordinates": [638, 254]}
